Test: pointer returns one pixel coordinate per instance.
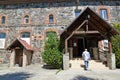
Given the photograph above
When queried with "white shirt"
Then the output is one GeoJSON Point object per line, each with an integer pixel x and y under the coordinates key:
{"type": "Point", "coordinates": [86, 55]}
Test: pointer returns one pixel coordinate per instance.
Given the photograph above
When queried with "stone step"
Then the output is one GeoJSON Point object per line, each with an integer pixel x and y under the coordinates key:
{"type": "Point", "coordinates": [79, 63]}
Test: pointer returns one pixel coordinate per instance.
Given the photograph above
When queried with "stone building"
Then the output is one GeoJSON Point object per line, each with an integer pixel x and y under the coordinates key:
{"type": "Point", "coordinates": [25, 25]}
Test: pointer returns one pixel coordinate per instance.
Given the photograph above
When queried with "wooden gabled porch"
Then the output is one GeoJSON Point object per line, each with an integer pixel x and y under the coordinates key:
{"type": "Point", "coordinates": [21, 53]}
{"type": "Point", "coordinates": [91, 28]}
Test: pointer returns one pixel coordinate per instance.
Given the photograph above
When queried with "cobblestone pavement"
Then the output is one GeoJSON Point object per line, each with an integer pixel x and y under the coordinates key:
{"type": "Point", "coordinates": [36, 72]}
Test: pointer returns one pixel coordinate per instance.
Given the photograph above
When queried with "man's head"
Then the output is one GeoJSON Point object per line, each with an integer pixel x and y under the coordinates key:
{"type": "Point", "coordinates": [85, 49]}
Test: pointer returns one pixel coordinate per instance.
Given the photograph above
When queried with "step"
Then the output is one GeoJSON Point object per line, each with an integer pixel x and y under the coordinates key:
{"type": "Point", "coordinates": [79, 63]}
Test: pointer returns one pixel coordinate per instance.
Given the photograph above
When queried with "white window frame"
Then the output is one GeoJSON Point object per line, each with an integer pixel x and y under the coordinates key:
{"type": "Point", "coordinates": [2, 40]}
{"type": "Point", "coordinates": [104, 14]}
{"type": "Point", "coordinates": [26, 38]}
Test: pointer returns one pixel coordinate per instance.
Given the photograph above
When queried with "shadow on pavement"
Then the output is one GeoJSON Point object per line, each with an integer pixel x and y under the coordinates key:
{"type": "Point", "coordinates": [48, 67]}
{"type": "Point", "coordinates": [83, 78]}
{"type": "Point", "coordinates": [15, 76]}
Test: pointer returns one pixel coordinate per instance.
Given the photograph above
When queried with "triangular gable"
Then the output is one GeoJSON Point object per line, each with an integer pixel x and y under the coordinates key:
{"type": "Point", "coordinates": [94, 20]}
{"type": "Point", "coordinates": [18, 43]}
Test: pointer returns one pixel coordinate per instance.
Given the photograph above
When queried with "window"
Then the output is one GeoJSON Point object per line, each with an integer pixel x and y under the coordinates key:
{"type": "Point", "coordinates": [2, 40]}
{"type": "Point", "coordinates": [103, 14]}
{"type": "Point", "coordinates": [25, 35]}
{"type": "Point", "coordinates": [3, 20]}
{"type": "Point", "coordinates": [48, 33]}
{"type": "Point", "coordinates": [77, 13]}
{"type": "Point", "coordinates": [51, 19]}
{"type": "Point", "coordinates": [2, 35]}
{"type": "Point", "coordinates": [26, 19]}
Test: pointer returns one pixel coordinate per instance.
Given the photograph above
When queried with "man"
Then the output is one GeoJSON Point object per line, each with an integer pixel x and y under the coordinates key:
{"type": "Point", "coordinates": [86, 57]}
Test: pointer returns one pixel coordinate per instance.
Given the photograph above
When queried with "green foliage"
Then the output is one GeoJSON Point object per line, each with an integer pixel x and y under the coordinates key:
{"type": "Point", "coordinates": [51, 55]}
{"type": "Point", "coordinates": [116, 45]}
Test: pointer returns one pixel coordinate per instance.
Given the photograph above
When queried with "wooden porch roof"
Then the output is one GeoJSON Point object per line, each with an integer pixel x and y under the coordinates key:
{"type": "Point", "coordinates": [18, 43]}
{"type": "Point", "coordinates": [94, 20]}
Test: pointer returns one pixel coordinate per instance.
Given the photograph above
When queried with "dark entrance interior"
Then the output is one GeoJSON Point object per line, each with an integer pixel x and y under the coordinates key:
{"type": "Point", "coordinates": [82, 43]}
{"type": "Point", "coordinates": [19, 57]}
{"type": "Point", "coordinates": [80, 46]}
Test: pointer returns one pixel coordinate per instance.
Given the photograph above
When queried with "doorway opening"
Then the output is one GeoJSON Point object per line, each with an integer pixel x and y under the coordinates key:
{"type": "Point", "coordinates": [80, 46]}
{"type": "Point", "coordinates": [19, 57]}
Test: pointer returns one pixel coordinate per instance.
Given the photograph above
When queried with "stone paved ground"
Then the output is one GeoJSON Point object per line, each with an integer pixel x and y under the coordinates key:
{"type": "Point", "coordinates": [36, 72]}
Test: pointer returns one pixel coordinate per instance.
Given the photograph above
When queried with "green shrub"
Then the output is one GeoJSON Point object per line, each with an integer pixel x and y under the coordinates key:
{"type": "Point", "coordinates": [116, 45]}
{"type": "Point", "coordinates": [51, 55]}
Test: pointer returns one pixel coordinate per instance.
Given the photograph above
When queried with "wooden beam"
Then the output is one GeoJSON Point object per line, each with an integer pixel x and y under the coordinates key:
{"type": "Point", "coordinates": [66, 41]}
{"type": "Point", "coordinates": [98, 24]}
{"type": "Point", "coordinates": [77, 22]}
{"type": "Point", "coordinates": [109, 42]}
{"type": "Point", "coordinates": [97, 28]}
{"type": "Point", "coordinates": [86, 32]}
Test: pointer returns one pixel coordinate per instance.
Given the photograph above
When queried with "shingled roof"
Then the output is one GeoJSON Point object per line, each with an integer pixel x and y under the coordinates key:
{"type": "Point", "coordinates": [19, 43]}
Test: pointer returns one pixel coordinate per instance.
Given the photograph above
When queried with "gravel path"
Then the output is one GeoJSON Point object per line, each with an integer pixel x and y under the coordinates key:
{"type": "Point", "coordinates": [36, 72]}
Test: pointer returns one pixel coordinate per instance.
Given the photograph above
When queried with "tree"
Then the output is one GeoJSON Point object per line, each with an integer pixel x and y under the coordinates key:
{"type": "Point", "coordinates": [51, 55]}
{"type": "Point", "coordinates": [116, 45]}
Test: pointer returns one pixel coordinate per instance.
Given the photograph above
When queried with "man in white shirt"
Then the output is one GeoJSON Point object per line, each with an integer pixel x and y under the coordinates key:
{"type": "Point", "coordinates": [86, 57]}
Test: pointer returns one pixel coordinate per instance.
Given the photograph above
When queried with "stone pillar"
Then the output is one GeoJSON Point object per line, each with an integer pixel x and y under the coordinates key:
{"type": "Point", "coordinates": [111, 62]}
{"type": "Point", "coordinates": [111, 56]}
{"type": "Point", "coordinates": [24, 58]}
{"type": "Point", "coordinates": [66, 61]}
{"type": "Point", "coordinates": [12, 58]}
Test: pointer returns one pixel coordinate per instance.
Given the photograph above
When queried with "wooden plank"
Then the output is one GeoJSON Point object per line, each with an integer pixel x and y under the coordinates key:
{"type": "Point", "coordinates": [103, 33]}
{"type": "Point", "coordinates": [86, 32]}
{"type": "Point", "coordinates": [66, 40]}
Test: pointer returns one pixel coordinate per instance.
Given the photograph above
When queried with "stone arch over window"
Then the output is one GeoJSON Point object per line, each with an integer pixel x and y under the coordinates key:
{"type": "Point", "coordinates": [3, 19]}
{"type": "Point", "coordinates": [51, 19]}
{"type": "Point", "coordinates": [104, 12]}
{"type": "Point", "coordinates": [53, 30]}
{"type": "Point", "coordinates": [48, 33]}
{"type": "Point", "coordinates": [26, 19]}
{"type": "Point", "coordinates": [2, 39]}
{"type": "Point", "coordinates": [25, 35]}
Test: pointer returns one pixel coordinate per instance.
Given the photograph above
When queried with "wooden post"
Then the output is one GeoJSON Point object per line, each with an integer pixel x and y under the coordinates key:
{"type": "Point", "coordinates": [109, 43]}
{"type": "Point", "coordinates": [66, 46]}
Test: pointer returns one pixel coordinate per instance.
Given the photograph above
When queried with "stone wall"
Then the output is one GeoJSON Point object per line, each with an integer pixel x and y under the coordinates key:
{"type": "Point", "coordinates": [39, 13]}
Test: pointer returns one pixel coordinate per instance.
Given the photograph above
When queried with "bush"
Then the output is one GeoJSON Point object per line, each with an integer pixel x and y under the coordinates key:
{"type": "Point", "coordinates": [116, 45]}
{"type": "Point", "coordinates": [51, 55]}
